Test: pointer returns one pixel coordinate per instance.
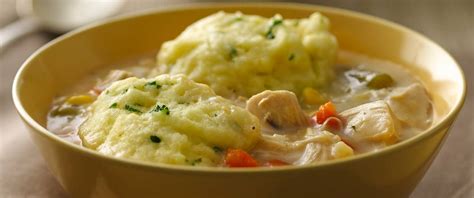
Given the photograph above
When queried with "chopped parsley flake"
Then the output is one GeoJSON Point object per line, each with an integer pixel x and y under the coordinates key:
{"type": "Point", "coordinates": [196, 161]}
{"type": "Point", "coordinates": [353, 127]}
{"type": "Point", "coordinates": [155, 139]}
{"type": "Point", "coordinates": [132, 109]}
{"type": "Point", "coordinates": [125, 91]}
{"type": "Point", "coordinates": [114, 105]}
{"type": "Point", "coordinates": [233, 52]}
{"type": "Point", "coordinates": [217, 149]}
{"type": "Point", "coordinates": [154, 84]}
{"type": "Point", "coordinates": [275, 23]}
{"type": "Point", "coordinates": [162, 108]}
{"type": "Point", "coordinates": [239, 18]}
{"type": "Point", "coordinates": [291, 57]}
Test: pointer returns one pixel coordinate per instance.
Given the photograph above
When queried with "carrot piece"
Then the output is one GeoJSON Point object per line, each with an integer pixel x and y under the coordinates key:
{"type": "Point", "coordinates": [276, 162]}
{"type": "Point", "coordinates": [325, 111]}
{"type": "Point", "coordinates": [334, 123]}
{"type": "Point", "coordinates": [239, 158]}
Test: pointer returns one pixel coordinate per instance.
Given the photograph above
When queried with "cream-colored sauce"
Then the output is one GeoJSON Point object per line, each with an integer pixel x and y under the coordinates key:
{"type": "Point", "coordinates": [311, 145]}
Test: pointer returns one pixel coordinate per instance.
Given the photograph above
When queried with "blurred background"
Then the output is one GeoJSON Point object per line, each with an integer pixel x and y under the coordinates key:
{"type": "Point", "coordinates": [448, 22]}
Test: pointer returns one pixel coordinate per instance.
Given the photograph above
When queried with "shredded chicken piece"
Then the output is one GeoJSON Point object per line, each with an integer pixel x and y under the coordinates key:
{"type": "Point", "coordinates": [411, 105]}
{"type": "Point", "coordinates": [314, 147]}
{"type": "Point", "coordinates": [313, 152]}
{"type": "Point", "coordinates": [281, 144]}
{"type": "Point", "coordinates": [369, 124]}
{"type": "Point", "coordinates": [278, 110]}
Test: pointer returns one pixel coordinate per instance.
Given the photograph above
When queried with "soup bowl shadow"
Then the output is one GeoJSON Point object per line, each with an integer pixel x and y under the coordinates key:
{"type": "Point", "coordinates": [391, 172]}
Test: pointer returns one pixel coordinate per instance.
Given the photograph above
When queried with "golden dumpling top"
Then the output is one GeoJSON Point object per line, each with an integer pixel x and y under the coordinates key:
{"type": "Point", "coordinates": [169, 119]}
{"type": "Point", "coordinates": [241, 55]}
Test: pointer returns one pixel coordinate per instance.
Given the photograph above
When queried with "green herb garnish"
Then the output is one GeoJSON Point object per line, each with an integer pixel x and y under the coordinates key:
{"type": "Point", "coordinates": [275, 23]}
{"type": "Point", "coordinates": [196, 161]}
{"type": "Point", "coordinates": [131, 109]}
{"type": "Point", "coordinates": [65, 110]}
{"type": "Point", "coordinates": [153, 83]}
{"type": "Point", "coordinates": [125, 91]}
{"type": "Point", "coordinates": [291, 57]}
{"type": "Point", "coordinates": [114, 105]}
{"type": "Point", "coordinates": [162, 108]}
{"type": "Point", "coordinates": [233, 52]}
{"type": "Point", "coordinates": [353, 127]}
{"type": "Point", "coordinates": [239, 18]}
{"type": "Point", "coordinates": [155, 139]}
{"type": "Point", "coordinates": [217, 149]}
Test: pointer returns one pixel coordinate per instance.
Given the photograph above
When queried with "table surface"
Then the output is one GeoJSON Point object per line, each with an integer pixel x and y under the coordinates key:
{"type": "Point", "coordinates": [23, 172]}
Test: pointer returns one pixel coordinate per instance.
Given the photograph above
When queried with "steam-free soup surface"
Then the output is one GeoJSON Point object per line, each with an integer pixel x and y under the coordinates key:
{"type": "Point", "coordinates": [236, 90]}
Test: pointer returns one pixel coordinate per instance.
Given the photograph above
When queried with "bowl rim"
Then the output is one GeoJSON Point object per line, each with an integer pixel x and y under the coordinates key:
{"type": "Point", "coordinates": [449, 118]}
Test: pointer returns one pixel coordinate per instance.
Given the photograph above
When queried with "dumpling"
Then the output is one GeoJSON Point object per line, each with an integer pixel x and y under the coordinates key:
{"type": "Point", "coordinates": [167, 119]}
{"type": "Point", "coordinates": [242, 55]}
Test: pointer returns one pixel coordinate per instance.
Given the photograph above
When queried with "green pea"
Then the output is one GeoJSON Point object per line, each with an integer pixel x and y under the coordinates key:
{"type": "Point", "coordinates": [380, 81]}
{"type": "Point", "coordinates": [65, 111]}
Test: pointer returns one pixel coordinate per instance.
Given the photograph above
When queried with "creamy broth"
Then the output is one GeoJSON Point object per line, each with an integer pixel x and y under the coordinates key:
{"type": "Point", "coordinates": [235, 90]}
{"type": "Point", "coordinates": [346, 92]}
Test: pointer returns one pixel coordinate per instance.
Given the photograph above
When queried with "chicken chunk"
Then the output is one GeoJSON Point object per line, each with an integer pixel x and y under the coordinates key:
{"type": "Point", "coordinates": [314, 147]}
{"type": "Point", "coordinates": [278, 110]}
{"type": "Point", "coordinates": [315, 153]}
{"type": "Point", "coordinates": [411, 105]}
{"type": "Point", "coordinates": [280, 143]}
{"type": "Point", "coordinates": [370, 123]}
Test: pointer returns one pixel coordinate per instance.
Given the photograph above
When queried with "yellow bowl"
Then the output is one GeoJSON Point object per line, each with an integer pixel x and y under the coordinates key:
{"type": "Point", "coordinates": [392, 172]}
